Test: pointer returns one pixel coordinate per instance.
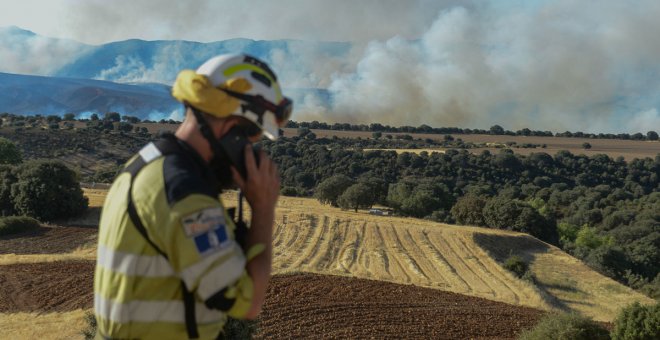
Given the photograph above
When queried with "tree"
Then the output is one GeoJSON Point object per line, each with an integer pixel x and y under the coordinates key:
{"type": "Point", "coordinates": [356, 196]}
{"type": "Point", "coordinates": [468, 210]}
{"type": "Point", "coordinates": [377, 134]}
{"type": "Point", "coordinates": [496, 130]}
{"type": "Point", "coordinates": [503, 213]}
{"type": "Point", "coordinates": [586, 146]}
{"type": "Point", "coordinates": [47, 190]}
{"type": "Point", "coordinates": [418, 200]}
{"type": "Point", "coordinates": [7, 178]}
{"type": "Point", "coordinates": [652, 135]}
{"type": "Point", "coordinates": [9, 153]}
{"type": "Point", "coordinates": [125, 127]}
{"type": "Point", "coordinates": [130, 119]}
{"type": "Point", "coordinates": [112, 116]}
{"type": "Point", "coordinates": [69, 116]}
{"type": "Point", "coordinates": [637, 322]}
{"type": "Point", "coordinates": [328, 191]}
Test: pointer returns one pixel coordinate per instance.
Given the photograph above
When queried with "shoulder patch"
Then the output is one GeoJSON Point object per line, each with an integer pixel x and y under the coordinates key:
{"type": "Point", "coordinates": [207, 228]}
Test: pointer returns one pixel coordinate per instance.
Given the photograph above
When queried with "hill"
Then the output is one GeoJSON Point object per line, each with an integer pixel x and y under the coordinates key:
{"type": "Point", "coordinates": [32, 95]}
{"type": "Point", "coordinates": [311, 237]}
{"type": "Point", "coordinates": [59, 76]}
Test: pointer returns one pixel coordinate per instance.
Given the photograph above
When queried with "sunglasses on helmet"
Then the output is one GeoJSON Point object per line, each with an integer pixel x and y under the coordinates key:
{"type": "Point", "coordinates": [282, 110]}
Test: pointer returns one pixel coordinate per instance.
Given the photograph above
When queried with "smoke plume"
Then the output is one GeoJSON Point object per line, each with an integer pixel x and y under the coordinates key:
{"type": "Point", "coordinates": [557, 66]}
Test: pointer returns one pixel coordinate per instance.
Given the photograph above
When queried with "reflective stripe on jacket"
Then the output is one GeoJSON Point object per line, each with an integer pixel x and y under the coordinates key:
{"type": "Point", "coordinates": [137, 291]}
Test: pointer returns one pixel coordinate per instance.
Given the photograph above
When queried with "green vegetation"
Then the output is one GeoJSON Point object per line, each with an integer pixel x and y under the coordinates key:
{"type": "Point", "coordinates": [239, 329]}
{"type": "Point", "coordinates": [601, 210]}
{"type": "Point", "coordinates": [17, 224]}
{"type": "Point", "coordinates": [46, 190]}
{"type": "Point", "coordinates": [329, 190]}
{"type": "Point", "coordinates": [517, 265]}
{"type": "Point", "coordinates": [90, 332]}
{"type": "Point", "coordinates": [494, 130]}
{"type": "Point", "coordinates": [9, 153]}
{"type": "Point", "coordinates": [566, 327]}
{"type": "Point", "coordinates": [637, 322]}
{"type": "Point", "coordinates": [356, 196]}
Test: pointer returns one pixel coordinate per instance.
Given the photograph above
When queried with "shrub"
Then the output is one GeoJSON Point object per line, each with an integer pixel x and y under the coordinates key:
{"type": "Point", "coordinates": [238, 329]}
{"type": "Point", "coordinates": [331, 188]}
{"type": "Point", "coordinates": [90, 332]}
{"type": "Point", "coordinates": [566, 327]}
{"type": "Point", "coordinates": [9, 152]}
{"type": "Point", "coordinates": [47, 190]}
{"type": "Point", "coordinates": [516, 265]}
{"type": "Point", "coordinates": [637, 322]}
{"type": "Point", "coordinates": [17, 224]}
{"type": "Point", "coordinates": [468, 210]}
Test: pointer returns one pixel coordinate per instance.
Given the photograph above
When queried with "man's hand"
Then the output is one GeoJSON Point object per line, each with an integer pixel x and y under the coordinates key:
{"type": "Point", "coordinates": [262, 187]}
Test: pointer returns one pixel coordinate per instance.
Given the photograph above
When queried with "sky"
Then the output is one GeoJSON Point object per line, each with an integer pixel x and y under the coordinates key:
{"type": "Point", "coordinates": [544, 64]}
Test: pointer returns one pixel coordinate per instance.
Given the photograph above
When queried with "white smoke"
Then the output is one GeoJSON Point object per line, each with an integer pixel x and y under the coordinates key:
{"type": "Point", "coordinates": [25, 53]}
{"type": "Point", "coordinates": [165, 65]}
{"type": "Point", "coordinates": [558, 66]}
{"type": "Point", "coordinates": [645, 121]}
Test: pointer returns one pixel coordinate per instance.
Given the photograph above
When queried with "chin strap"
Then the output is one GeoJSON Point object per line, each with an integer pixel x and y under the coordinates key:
{"type": "Point", "coordinates": [207, 133]}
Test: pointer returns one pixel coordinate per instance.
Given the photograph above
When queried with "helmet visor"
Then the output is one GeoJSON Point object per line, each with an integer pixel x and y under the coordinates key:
{"type": "Point", "coordinates": [282, 110]}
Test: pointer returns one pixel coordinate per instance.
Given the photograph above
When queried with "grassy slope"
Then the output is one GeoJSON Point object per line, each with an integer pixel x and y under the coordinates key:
{"type": "Point", "coordinates": [310, 237]}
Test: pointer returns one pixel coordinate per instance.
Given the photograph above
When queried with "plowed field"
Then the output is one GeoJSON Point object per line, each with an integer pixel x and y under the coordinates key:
{"type": "Point", "coordinates": [306, 305]}
{"type": "Point", "coordinates": [297, 306]}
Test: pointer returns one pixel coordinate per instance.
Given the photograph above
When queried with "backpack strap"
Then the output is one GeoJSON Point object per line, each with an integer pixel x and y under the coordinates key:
{"type": "Point", "coordinates": [149, 153]}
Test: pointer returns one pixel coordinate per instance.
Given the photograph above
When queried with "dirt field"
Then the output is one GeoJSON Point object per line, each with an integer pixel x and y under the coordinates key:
{"type": "Point", "coordinates": [628, 149]}
{"type": "Point", "coordinates": [48, 240]}
{"type": "Point", "coordinates": [350, 308]}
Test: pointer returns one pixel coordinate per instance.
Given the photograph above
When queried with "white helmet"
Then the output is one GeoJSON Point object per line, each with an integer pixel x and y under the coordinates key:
{"type": "Point", "coordinates": [262, 103]}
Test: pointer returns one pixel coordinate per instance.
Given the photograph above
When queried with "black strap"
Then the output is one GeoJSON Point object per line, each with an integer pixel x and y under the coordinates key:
{"type": "Point", "coordinates": [166, 147]}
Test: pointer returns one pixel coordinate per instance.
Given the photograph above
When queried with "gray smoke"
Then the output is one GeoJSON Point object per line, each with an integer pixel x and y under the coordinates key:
{"type": "Point", "coordinates": [546, 65]}
{"type": "Point", "coordinates": [26, 53]}
{"type": "Point", "coordinates": [563, 65]}
{"type": "Point", "coordinates": [213, 20]}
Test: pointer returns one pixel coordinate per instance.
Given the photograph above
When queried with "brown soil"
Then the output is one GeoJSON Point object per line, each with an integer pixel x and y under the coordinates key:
{"type": "Point", "coordinates": [47, 240]}
{"type": "Point", "coordinates": [307, 305]}
{"type": "Point", "coordinates": [46, 287]}
{"type": "Point", "coordinates": [300, 306]}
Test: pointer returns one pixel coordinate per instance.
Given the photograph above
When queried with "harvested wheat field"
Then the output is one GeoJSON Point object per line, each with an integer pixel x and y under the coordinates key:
{"type": "Point", "coordinates": [628, 149]}
{"type": "Point", "coordinates": [314, 238]}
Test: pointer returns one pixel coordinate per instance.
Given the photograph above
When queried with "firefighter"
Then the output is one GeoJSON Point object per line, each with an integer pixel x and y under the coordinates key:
{"type": "Point", "coordinates": [169, 264]}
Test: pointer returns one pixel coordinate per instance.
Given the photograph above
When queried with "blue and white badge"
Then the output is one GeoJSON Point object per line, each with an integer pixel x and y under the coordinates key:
{"type": "Point", "coordinates": [207, 228]}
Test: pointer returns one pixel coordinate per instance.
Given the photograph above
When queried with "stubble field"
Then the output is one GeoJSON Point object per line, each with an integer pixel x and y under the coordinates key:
{"type": "Point", "coordinates": [628, 149]}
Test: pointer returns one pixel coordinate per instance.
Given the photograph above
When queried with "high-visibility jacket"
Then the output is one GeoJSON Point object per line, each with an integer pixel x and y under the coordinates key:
{"type": "Point", "coordinates": [139, 293]}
